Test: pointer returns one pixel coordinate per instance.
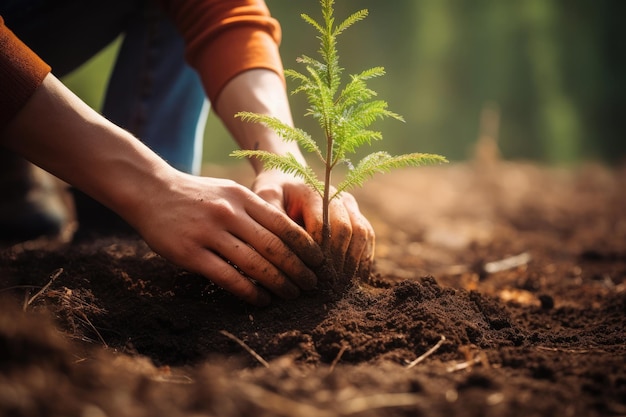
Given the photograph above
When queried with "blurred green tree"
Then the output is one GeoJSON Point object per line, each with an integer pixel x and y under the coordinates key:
{"type": "Point", "coordinates": [555, 69]}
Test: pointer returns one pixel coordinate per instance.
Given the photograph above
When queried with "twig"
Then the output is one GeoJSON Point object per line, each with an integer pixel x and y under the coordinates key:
{"type": "Point", "coordinates": [576, 351]}
{"type": "Point", "coordinates": [377, 401]}
{"type": "Point", "coordinates": [25, 304]}
{"type": "Point", "coordinates": [174, 379]}
{"type": "Point", "coordinates": [278, 405]}
{"type": "Point", "coordinates": [337, 358]}
{"type": "Point", "coordinates": [246, 347]}
{"type": "Point", "coordinates": [481, 357]}
{"type": "Point", "coordinates": [464, 365]}
{"type": "Point", "coordinates": [84, 316]}
{"type": "Point", "coordinates": [54, 276]}
{"type": "Point", "coordinates": [490, 267]}
{"type": "Point", "coordinates": [281, 406]}
{"type": "Point", "coordinates": [428, 353]}
{"type": "Point", "coordinates": [507, 263]}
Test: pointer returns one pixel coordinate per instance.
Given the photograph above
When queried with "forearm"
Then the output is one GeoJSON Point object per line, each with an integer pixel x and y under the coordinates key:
{"type": "Point", "coordinates": [258, 91]}
{"type": "Point", "coordinates": [60, 133]}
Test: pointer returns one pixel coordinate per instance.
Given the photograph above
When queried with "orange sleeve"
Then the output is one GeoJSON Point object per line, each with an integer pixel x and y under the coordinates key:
{"type": "Point", "coordinates": [21, 72]}
{"type": "Point", "coordinates": [226, 37]}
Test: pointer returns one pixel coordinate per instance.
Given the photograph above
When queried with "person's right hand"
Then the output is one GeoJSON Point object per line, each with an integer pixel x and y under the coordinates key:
{"type": "Point", "coordinates": [225, 232]}
{"type": "Point", "coordinates": [352, 238]}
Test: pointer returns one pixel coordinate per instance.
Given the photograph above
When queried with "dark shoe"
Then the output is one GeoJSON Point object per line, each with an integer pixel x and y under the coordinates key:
{"type": "Point", "coordinates": [32, 203]}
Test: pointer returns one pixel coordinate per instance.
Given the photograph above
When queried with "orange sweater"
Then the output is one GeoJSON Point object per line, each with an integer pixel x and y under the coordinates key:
{"type": "Point", "coordinates": [223, 38]}
{"type": "Point", "coordinates": [21, 72]}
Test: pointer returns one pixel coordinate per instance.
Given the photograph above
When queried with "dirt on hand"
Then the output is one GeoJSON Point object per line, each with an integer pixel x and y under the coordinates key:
{"type": "Point", "coordinates": [498, 290]}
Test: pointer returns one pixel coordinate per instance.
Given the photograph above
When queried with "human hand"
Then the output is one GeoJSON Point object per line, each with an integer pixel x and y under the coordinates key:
{"type": "Point", "coordinates": [353, 237]}
{"type": "Point", "coordinates": [222, 230]}
{"type": "Point", "coordinates": [205, 225]}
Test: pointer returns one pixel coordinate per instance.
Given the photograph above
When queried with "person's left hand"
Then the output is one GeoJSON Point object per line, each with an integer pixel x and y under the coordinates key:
{"type": "Point", "coordinates": [352, 238]}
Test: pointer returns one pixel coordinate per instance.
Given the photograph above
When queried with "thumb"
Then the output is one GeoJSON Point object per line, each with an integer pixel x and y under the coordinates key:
{"type": "Point", "coordinates": [274, 196]}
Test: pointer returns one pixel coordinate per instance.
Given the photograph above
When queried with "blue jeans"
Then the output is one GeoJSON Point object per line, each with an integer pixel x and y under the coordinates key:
{"type": "Point", "coordinates": [152, 92]}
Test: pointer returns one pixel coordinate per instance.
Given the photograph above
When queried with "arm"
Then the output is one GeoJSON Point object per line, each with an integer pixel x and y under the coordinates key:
{"type": "Point", "coordinates": [226, 38]}
{"type": "Point", "coordinates": [198, 223]}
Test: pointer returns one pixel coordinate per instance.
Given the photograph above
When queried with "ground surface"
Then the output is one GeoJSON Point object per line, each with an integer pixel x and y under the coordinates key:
{"type": "Point", "coordinates": [514, 275]}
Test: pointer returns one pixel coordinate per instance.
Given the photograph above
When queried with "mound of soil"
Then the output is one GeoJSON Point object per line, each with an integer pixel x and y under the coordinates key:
{"type": "Point", "coordinates": [499, 290]}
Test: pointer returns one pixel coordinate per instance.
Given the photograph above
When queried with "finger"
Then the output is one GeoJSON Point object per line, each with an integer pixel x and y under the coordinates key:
{"type": "Point", "coordinates": [216, 269]}
{"type": "Point", "coordinates": [272, 195]}
{"type": "Point", "coordinates": [354, 252]}
{"type": "Point", "coordinates": [361, 249]}
{"type": "Point", "coordinates": [340, 232]}
{"type": "Point", "coordinates": [264, 262]}
{"type": "Point", "coordinates": [367, 259]}
{"type": "Point", "coordinates": [296, 239]}
{"type": "Point", "coordinates": [311, 213]}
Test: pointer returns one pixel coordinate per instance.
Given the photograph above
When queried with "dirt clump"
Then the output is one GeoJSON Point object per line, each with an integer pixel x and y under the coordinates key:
{"type": "Point", "coordinates": [497, 291]}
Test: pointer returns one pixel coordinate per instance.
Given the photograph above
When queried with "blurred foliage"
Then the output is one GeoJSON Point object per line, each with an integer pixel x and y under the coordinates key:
{"type": "Point", "coordinates": [555, 69]}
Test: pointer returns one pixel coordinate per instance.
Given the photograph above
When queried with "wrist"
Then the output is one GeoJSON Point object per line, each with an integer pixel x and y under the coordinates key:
{"type": "Point", "coordinates": [139, 184]}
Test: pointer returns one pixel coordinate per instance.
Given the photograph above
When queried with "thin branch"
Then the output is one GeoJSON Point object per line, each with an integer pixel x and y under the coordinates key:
{"type": "Point", "coordinates": [377, 401]}
{"type": "Point", "coordinates": [174, 379]}
{"type": "Point", "coordinates": [246, 347]}
{"type": "Point", "coordinates": [575, 351]}
{"type": "Point", "coordinates": [54, 276]}
{"type": "Point", "coordinates": [481, 357]}
{"type": "Point", "coordinates": [428, 353]}
{"type": "Point", "coordinates": [281, 406]}
{"type": "Point", "coordinates": [464, 365]}
{"type": "Point", "coordinates": [492, 267]}
{"type": "Point", "coordinates": [84, 317]}
{"type": "Point", "coordinates": [507, 263]}
{"type": "Point", "coordinates": [338, 357]}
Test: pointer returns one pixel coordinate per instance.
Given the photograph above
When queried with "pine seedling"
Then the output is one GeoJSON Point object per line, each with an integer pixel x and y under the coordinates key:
{"type": "Point", "coordinates": [344, 112]}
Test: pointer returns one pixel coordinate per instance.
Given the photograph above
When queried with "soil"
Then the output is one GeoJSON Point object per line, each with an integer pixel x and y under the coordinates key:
{"type": "Point", "coordinates": [509, 277]}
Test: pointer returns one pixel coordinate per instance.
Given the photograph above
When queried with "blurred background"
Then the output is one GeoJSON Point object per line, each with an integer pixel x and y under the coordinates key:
{"type": "Point", "coordinates": [550, 74]}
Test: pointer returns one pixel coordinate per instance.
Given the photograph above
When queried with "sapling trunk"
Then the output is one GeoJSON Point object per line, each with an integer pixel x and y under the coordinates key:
{"type": "Point", "coordinates": [326, 230]}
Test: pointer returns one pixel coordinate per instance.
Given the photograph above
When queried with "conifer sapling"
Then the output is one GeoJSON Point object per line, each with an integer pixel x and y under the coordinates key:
{"type": "Point", "coordinates": [344, 112]}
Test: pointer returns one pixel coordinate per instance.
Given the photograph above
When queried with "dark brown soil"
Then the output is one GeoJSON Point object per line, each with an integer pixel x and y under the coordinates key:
{"type": "Point", "coordinates": [121, 332]}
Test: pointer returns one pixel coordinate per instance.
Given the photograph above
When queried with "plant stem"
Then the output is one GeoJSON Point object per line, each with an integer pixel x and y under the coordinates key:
{"type": "Point", "coordinates": [326, 232]}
